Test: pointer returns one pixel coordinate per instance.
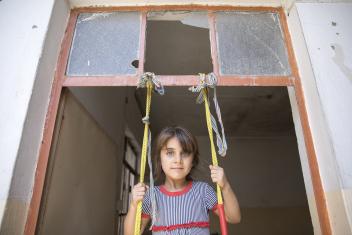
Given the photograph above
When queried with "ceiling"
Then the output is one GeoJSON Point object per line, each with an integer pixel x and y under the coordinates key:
{"type": "Point", "coordinates": [246, 111]}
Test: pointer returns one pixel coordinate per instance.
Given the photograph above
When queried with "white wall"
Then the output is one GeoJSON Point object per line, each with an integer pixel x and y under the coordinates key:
{"type": "Point", "coordinates": [31, 34]}
{"type": "Point", "coordinates": [328, 33]}
{"type": "Point", "coordinates": [315, 66]}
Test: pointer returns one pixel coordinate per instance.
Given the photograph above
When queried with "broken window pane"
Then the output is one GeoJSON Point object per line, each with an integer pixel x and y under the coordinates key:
{"type": "Point", "coordinates": [105, 44]}
{"type": "Point", "coordinates": [178, 43]}
{"type": "Point", "coordinates": [251, 43]}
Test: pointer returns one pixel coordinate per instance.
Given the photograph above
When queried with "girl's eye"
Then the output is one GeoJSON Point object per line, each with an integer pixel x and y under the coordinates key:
{"type": "Point", "coordinates": [169, 153]}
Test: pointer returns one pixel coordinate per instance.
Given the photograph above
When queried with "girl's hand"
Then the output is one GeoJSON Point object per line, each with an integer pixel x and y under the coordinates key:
{"type": "Point", "coordinates": [218, 175]}
{"type": "Point", "coordinates": [138, 192]}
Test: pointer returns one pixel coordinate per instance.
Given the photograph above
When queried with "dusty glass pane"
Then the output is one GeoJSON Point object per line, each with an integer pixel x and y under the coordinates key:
{"type": "Point", "coordinates": [178, 43]}
{"type": "Point", "coordinates": [251, 43]}
{"type": "Point", "coordinates": [105, 44]}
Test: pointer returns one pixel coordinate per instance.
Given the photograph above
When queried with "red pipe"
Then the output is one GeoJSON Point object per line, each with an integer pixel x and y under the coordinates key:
{"type": "Point", "coordinates": [222, 218]}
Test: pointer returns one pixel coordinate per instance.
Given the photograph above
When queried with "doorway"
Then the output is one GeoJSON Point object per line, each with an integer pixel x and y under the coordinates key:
{"type": "Point", "coordinates": [272, 79]}
{"type": "Point", "coordinates": [262, 162]}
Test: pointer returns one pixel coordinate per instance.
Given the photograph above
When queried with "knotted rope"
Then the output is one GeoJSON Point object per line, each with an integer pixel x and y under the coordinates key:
{"type": "Point", "coordinates": [207, 81]}
{"type": "Point", "coordinates": [149, 81]}
{"type": "Point", "coordinates": [210, 81]}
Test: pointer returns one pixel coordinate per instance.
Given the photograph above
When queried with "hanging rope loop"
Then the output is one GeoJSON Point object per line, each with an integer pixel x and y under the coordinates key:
{"type": "Point", "coordinates": [210, 81]}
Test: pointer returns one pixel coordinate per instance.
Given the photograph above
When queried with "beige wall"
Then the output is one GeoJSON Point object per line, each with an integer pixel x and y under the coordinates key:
{"type": "Point", "coordinates": [264, 172]}
{"type": "Point", "coordinates": [266, 175]}
{"type": "Point", "coordinates": [269, 221]}
{"type": "Point", "coordinates": [83, 180]}
{"type": "Point", "coordinates": [112, 108]}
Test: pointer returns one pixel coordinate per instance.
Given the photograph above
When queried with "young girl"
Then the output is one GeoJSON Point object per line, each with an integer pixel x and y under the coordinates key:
{"type": "Point", "coordinates": [183, 205]}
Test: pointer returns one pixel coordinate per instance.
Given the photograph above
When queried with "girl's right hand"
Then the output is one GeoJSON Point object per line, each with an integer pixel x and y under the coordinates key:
{"type": "Point", "coordinates": [138, 192]}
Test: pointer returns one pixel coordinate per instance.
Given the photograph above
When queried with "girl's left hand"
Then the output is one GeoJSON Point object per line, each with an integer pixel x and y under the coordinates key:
{"type": "Point", "coordinates": [218, 175]}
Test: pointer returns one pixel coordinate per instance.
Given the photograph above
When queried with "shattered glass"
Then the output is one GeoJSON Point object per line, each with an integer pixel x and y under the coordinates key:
{"type": "Point", "coordinates": [251, 43]}
{"type": "Point", "coordinates": [105, 44]}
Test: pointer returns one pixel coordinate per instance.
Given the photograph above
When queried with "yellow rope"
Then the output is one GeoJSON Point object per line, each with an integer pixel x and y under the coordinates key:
{"type": "Point", "coordinates": [212, 146]}
{"type": "Point", "coordinates": [137, 226]}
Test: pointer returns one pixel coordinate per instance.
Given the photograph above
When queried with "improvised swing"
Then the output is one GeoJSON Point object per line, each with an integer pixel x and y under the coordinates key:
{"type": "Point", "coordinates": [149, 81]}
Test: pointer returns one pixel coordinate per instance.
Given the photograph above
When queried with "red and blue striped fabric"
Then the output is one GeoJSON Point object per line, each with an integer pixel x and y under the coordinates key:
{"type": "Point", "coordinates": [182, 212]}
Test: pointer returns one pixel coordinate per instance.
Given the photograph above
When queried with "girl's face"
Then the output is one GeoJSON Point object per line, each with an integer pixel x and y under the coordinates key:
{"type": "Point", "coordinates": [175, 163]}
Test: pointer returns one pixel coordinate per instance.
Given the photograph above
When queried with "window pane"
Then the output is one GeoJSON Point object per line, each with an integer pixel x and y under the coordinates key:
{"type": "Point", "coordinates": [126, 191]}
{"type": "Point", "coordinates": [251, 43]}
{"type": "Point", "coordinates": [178, 43]}
{"type": "Point", "coordinates": [130, 156]}
{"type": "Point", "coordinates": [105, 44]}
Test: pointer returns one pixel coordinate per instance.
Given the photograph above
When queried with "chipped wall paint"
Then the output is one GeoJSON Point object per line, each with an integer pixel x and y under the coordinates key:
{"type": "Point", "coordinates": [29, 51]}
{"type": "Point", "coordinates": [327, 161]}
{"type": "Point", "coordinates": [21, 45]}
{"type": "Point", "coordinates": [328, 35]}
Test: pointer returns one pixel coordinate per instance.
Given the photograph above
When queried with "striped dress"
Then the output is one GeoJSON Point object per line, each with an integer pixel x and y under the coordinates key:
{"type": "Point", "coordinates": [183, 212]}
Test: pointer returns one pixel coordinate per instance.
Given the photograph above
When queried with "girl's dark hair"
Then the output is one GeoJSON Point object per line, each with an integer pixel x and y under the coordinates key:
{"type": "Point", "coordinates": [187, 141]}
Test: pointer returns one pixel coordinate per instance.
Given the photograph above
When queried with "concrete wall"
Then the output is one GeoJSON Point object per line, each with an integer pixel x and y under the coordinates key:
{"type": "Point", "coordinates": [266, 175]}
{"type": "Point", "coordinates": [264, 172]}
{"type": "Point", "coordinates": [113, 108]}
{"type": "Point", "coordinates": [269, 221]}
{"type": "Point", "coordinates": [31, 35]}
{"type": "Point", "coordinates": [83, 177]}
{"type": "Point", "coordinates": [328, 35]}
{"type": "Point", "coordinates": [313, 33]}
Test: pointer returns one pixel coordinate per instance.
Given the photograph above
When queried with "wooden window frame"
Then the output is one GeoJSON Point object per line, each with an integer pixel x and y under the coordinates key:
{"type": "Point", "coordinates": [61, 80]}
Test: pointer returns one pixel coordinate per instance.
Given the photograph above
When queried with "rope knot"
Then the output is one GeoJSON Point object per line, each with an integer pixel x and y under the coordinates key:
{"type": "Point", "coordinates": [209, 80]}
{"type": "Point", "coordinates": [149, 79]}
{"type": "Point", "coordinates": [206, 82]}
{"type": "Point", "coordinates": [145, 120]}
